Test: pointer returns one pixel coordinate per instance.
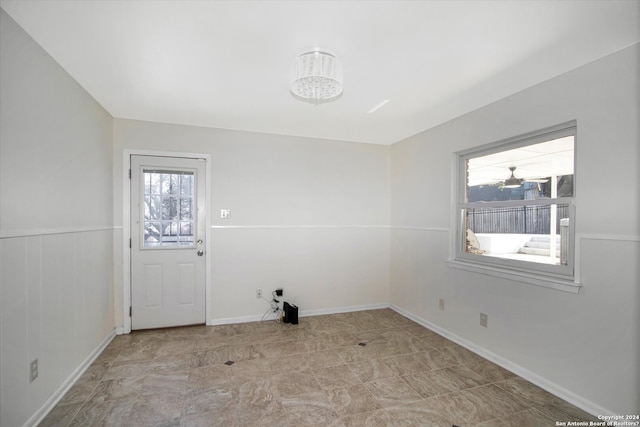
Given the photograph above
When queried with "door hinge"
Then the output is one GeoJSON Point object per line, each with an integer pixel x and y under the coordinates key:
{"type": "Point", "coordinates": [129, 173]}
{"type": "Point", "coordinates": [130, 311]}
{"type": "Point", "coordinates": [129, 243]}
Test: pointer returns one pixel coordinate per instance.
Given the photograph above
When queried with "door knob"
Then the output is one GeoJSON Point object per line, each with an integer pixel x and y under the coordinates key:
{"type": "Point", "coordinates": [200, 253]}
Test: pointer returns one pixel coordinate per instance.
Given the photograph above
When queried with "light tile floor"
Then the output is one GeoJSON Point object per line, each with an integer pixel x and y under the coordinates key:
{"type": "Point", "coordinates": [316, 373]}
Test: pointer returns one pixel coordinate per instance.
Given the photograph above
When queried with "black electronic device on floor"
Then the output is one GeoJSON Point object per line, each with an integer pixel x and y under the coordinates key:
{"type": "Point", "coordinates": [290, 313]}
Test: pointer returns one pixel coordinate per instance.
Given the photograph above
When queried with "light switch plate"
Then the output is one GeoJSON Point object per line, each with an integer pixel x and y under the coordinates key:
{"type": "Point", "coordinates": [483, 319]}
{"type": "Point", "coordinates": [33, 370]}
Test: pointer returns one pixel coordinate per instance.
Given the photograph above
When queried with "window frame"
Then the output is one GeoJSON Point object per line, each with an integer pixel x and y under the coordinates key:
{"type": "Point", "coordinates": [560, 276]}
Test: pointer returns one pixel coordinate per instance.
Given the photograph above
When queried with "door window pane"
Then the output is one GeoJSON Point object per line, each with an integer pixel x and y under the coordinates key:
{"type": "Point", "coordinates": [152, 233]}
{"type": "Point", "coordinates": [152, 207]}
{"type": "Point", "coordinates": [186, 186]}
{"type": "Point", "coordinates": [186, 210]}
{"type": "Point", "coordinates": [152, 183]}
{"type": "Point", "coordinates": [168, 208]}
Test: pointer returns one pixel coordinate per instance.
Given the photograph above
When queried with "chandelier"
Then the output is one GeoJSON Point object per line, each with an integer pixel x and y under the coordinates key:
{"type": "Point", "coordinates": [316, 77]}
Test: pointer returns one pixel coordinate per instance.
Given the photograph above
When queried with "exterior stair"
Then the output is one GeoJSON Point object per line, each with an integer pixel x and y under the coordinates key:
{"type": "Point", "coordinates": [540, 245]}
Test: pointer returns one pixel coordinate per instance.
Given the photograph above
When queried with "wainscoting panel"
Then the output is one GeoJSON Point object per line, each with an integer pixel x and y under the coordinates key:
{"type": "Point", "coordinates": [56, 307]}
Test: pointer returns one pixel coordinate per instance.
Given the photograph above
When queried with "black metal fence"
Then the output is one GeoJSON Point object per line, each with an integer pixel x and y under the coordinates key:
{"type": "Point", "coordinates": [516, 220]}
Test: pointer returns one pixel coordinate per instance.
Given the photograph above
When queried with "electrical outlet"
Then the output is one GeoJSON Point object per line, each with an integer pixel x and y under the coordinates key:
{"type": "Point", "coordinates": [33, 371]}
{"type": "Point", "coordinates": [441, 304]}
{"type": "Point", "coordinates": [483, 319]}
{"type": "Point", "coordinates": [225, 213]}
{"type": "Point", "coordinates": [258, 293]}
{"type": "Point", "coordinates": [279, 292]}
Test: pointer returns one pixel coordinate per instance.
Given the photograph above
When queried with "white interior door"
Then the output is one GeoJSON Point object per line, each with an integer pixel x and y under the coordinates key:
{"type": "Point", "coordinates": [167, 242]}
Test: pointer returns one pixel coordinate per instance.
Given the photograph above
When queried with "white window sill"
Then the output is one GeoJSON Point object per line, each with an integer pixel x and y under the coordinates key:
{"type": "Point", "coordinates": [531, 278]}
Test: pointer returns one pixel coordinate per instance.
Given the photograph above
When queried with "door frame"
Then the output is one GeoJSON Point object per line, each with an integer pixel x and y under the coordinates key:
{"type": "Point", "coordinates": [126, 228]}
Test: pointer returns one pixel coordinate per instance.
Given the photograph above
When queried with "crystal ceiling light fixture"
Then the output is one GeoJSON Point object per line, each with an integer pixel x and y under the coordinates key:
{"type": "Point", "coordinates": [316, 77]}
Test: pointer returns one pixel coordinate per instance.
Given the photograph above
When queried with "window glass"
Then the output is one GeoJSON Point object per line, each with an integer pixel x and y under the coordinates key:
{"type": "Point", "coordinates": [168, 208]}
{"type": "Point", "coordinates": [537, 171]}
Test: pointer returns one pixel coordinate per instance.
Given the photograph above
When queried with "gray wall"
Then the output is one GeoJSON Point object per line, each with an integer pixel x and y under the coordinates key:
{"type": "Point", "coordinates": [585, 346]}
{"type": "Point", "coordinates": [313, 216]}
{"type": "Point", "coordinates": [307, 215]}
{"type": "Point", "coordinates": [56, 300]}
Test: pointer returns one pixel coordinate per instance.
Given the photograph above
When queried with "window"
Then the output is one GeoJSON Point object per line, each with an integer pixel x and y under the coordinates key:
{"type": "Point", "coordinates": [168, 208]}
{"type": "Point", "coordinates": [515, 204]}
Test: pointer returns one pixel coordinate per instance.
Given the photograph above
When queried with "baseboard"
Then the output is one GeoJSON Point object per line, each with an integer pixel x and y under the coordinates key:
{"type": "Point", "coordinates": [336, 310]}
{"type": "Point", "coordinates": [532, 377]}
{"type": "Point", "coordinates": [39, 415]}
{"type": "Point", "coordinates": [230, 320]}
{"type": "Point", "coordinates": [302, 313]}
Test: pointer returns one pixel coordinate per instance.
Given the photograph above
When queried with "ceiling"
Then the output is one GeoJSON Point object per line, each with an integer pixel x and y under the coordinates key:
{"type": "Point", "coordinates": [226, 64]}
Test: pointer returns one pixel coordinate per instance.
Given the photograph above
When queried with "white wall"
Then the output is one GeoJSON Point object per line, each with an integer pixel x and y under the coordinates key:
{"type": "Point", "coordinates": [312, 216]}
{"type": "Point", "coordinates": [55, 226]}
{"type": "Point", "coordinates": [307, 215]}
{"type": "Point", "coordinates": [584, 345]}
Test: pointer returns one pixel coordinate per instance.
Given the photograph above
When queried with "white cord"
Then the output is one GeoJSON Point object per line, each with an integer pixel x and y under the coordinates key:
{"type": "Point", "coordinates": [274, 308]}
